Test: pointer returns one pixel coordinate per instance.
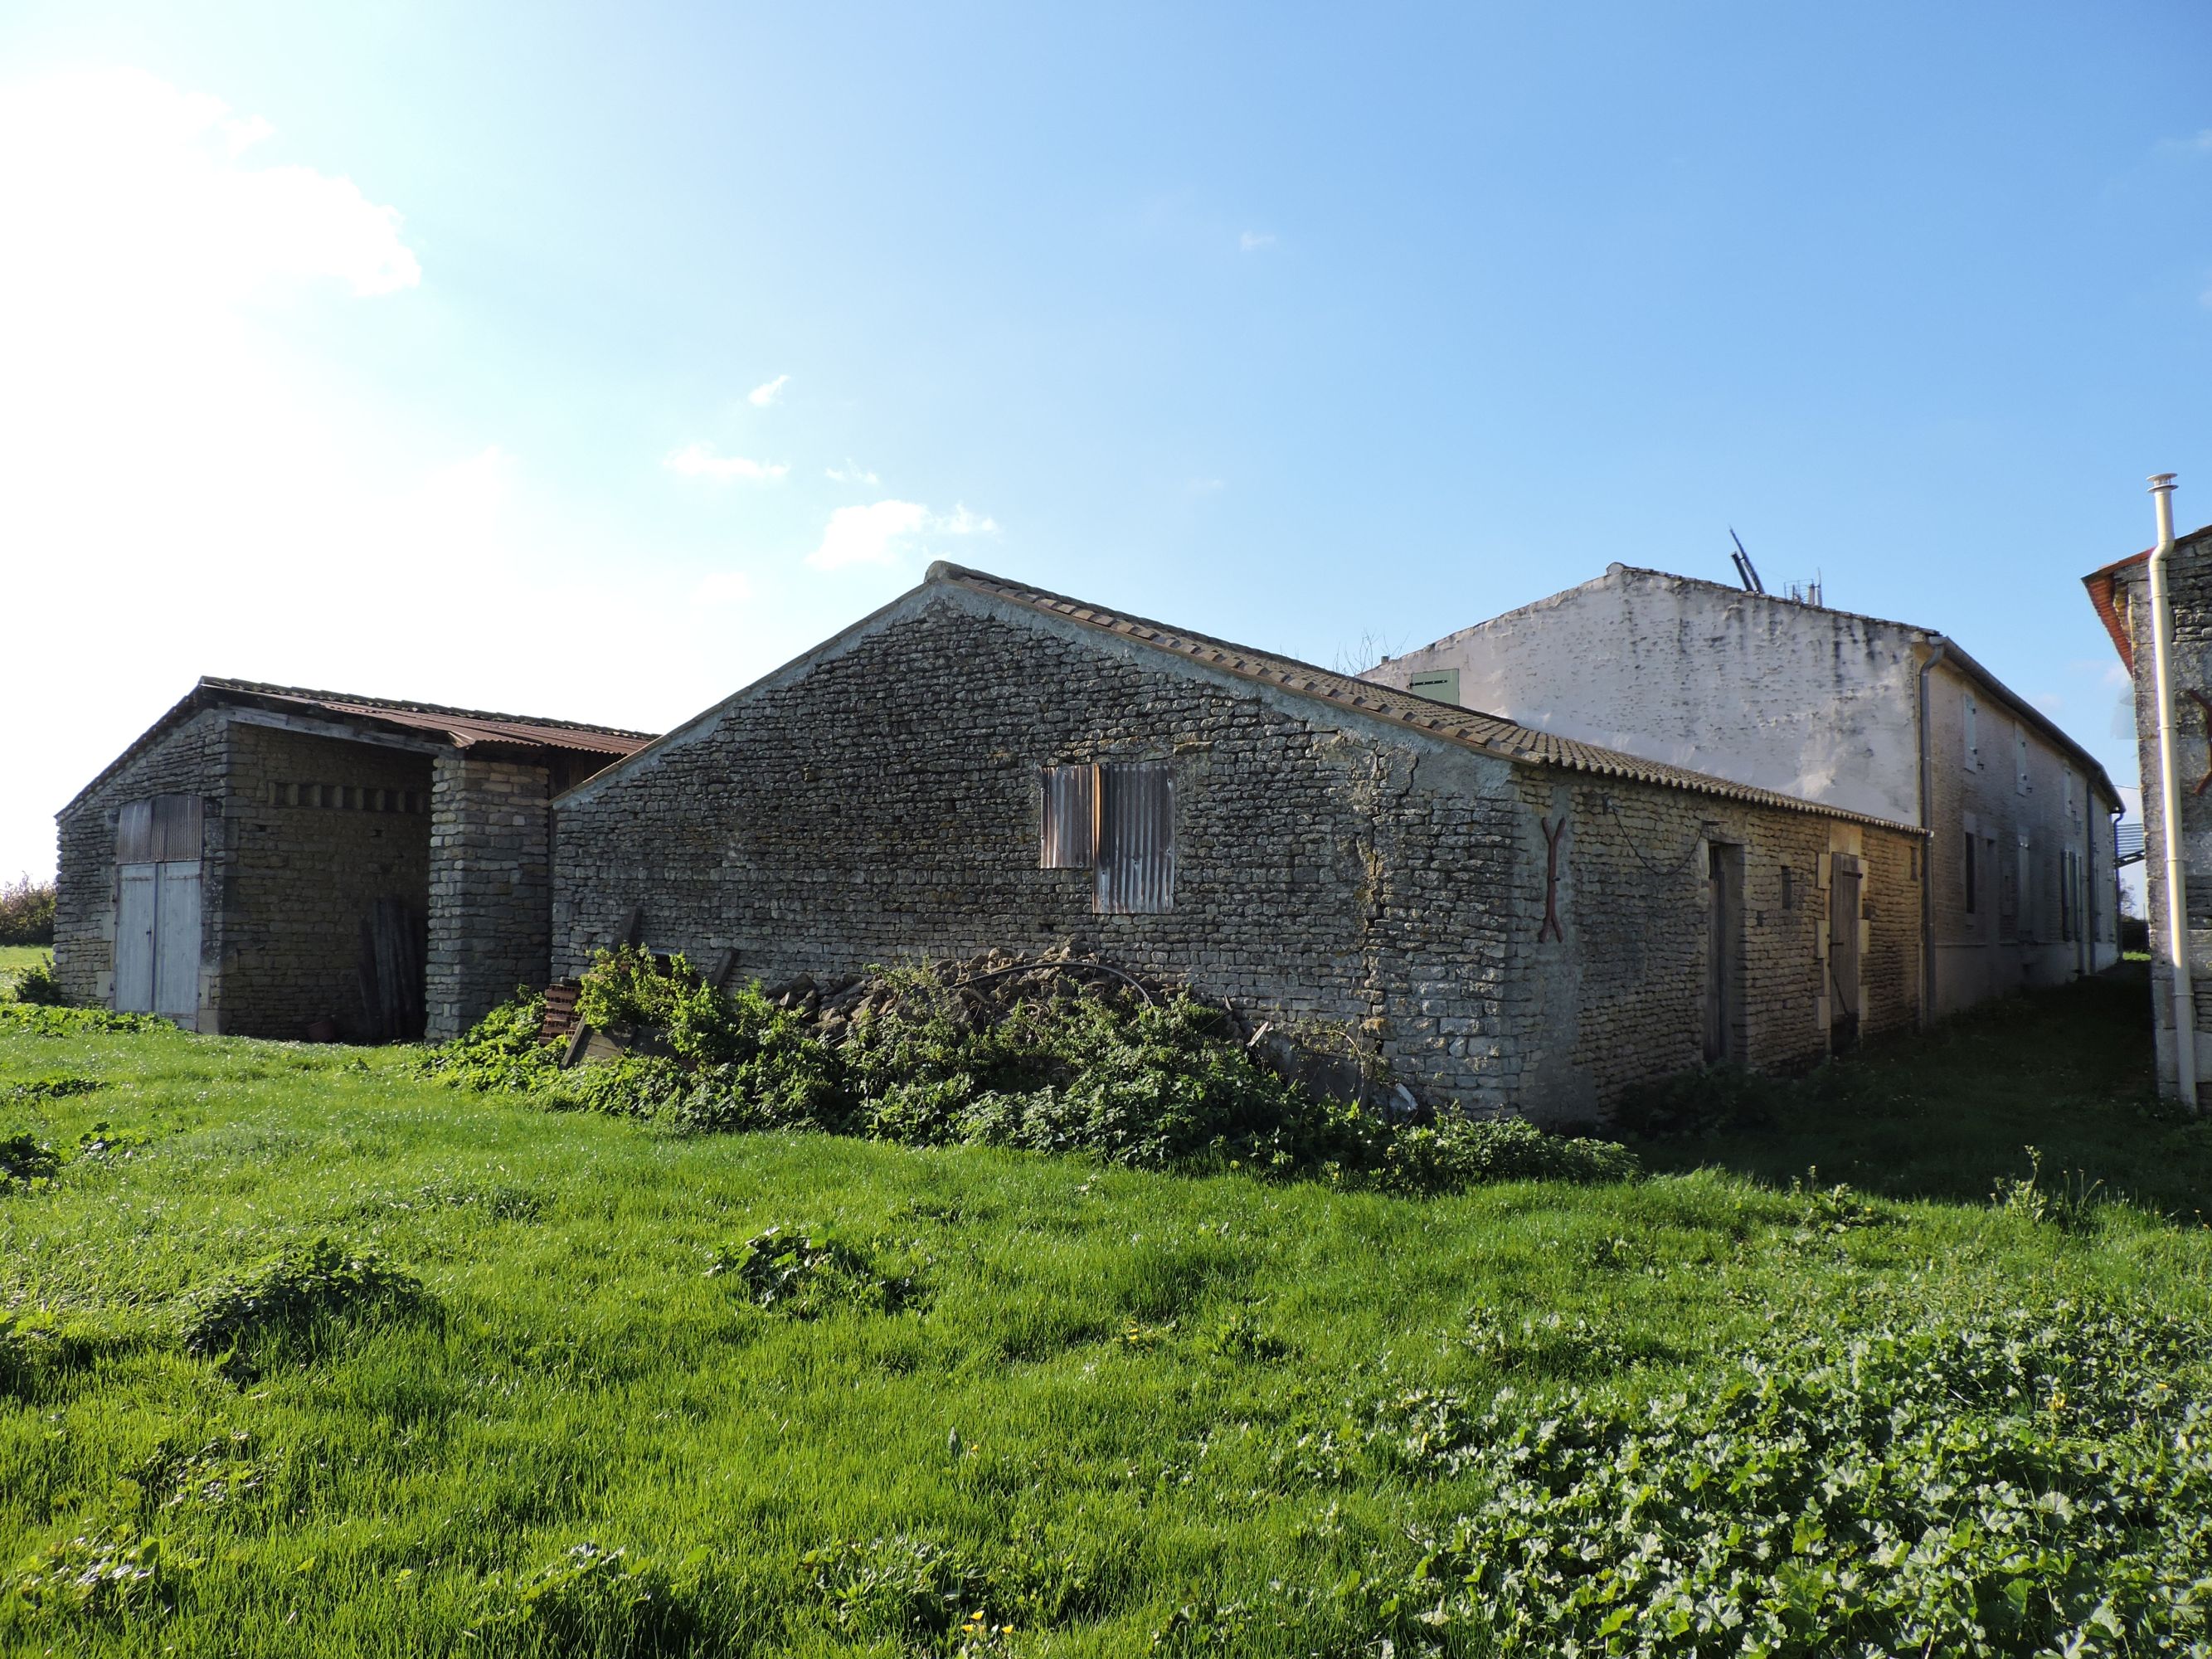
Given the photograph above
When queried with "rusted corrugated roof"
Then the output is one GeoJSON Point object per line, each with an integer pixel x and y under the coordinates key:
{"type": "Point", "coordinates": [462, 727]}
{"type": "Point", "coordinates": [1487, 732]}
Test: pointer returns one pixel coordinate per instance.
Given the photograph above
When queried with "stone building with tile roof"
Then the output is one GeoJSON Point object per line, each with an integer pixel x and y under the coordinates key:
{"type": "Point", "coordinates": [1827, 705]}
{"type": "Point", "coordinates": [1497, 917]}
{"type": "Point", "coordinates": [266, 860]}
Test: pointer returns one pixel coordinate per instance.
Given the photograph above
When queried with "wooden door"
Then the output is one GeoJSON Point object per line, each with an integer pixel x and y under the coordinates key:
{"type": "Point", "coordinates": [134, 938]}
{"type": "Point", "coordinates": [177, 942]}
{"type": "Point", "coordinates": [1843, 954]}
{"type": "Point", "coordinates": [1723, 953]}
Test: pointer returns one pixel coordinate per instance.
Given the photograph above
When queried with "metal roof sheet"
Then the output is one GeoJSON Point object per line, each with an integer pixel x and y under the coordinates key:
{"type": "Point", "coordinates": [462, 727]}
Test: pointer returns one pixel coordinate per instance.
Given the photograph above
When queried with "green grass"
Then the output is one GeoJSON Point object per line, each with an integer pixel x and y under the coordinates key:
{"type": "Point", "coordinates": [1113, 1404]}
{"type": "Point", "coordinates": [13, 958]}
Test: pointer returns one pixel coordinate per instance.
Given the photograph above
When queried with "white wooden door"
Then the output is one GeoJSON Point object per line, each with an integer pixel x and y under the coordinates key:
{"type": "Point", "coordinates": [177, 942]}
{"type": "Point", "coordinates": [134, 940]}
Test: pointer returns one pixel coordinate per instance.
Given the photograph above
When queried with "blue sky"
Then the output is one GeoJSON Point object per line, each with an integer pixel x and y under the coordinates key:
{"type": "Point", "coordinates": [591, 361]}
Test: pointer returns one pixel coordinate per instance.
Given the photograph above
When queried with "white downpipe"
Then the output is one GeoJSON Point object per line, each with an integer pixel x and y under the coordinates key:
{"type": "Point", "coordinates": [2169, 786]}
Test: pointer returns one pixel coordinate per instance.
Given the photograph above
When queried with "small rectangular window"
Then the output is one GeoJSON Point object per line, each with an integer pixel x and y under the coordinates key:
{"type": "Point", "coordinates": [2019, 758]}
{"type": "Point", "coordinates": [1068, 827]}
{"type": "Point", "coordinates": [1974, 736]}
{"type": "Point", "coordinates": [1970, 872]}
{"type": "Point", "coordinates": [1136, 840]}
{"type": "Point", "coordinates": [1439, 685]}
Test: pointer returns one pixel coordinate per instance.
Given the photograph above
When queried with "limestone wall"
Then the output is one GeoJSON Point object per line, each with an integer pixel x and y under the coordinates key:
{"type": "Point", "coordinates": [880, 800]}
{"type": "Point", "coordinates": [2189, 584]}
{"type": "Point", "coordinates": [187, 761]}
{"type": "Point", "coordinates": [1619, 996]}
{"type": "Point", "coordinates": [490, 887]}
{"type": "Point", "coordinates": [884, 802]}
{"type": "Point", "coordinates": [318, 829]}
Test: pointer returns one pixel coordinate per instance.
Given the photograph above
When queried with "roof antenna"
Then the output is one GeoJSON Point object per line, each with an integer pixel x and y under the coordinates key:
{"type": "Point", "coordinates": [1745, 572]}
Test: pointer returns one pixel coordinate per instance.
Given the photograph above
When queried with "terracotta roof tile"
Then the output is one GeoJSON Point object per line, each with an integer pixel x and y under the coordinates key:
{"type": "Point", "coordinates": [1465, 726]}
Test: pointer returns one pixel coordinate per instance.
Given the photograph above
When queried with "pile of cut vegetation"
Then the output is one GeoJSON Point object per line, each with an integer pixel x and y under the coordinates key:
{"type": "Point", "coordinates": [1051, 1054]}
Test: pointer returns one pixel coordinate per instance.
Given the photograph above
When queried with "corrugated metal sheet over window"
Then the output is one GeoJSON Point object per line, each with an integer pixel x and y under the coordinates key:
{"type": "Point", "coordinates": [160, 830]}
{"type": "Point", "coordinates": [1068, 835]}
{"type": "Point", "coordinates": [1136, 840]}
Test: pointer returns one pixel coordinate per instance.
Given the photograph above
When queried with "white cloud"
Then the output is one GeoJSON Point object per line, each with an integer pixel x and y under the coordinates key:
{"type": "Point", "coordinates": [115, 184]}
{"type": "Point", "coordinates": [700, 461]}
{"type": "Point", "coordinates": [867, 535]}
{"type": "Point", "coordinates": [1254, 242]}
{"type": "Point", "coordinates": [2201, 144]}
{"type": "Point", "coordinates": [883, 533]}
{"type": "Point", "coordinates": [724, 587]}
{"type": "Point", "coordinates": [1204, 486]}
{"type": "Point", "coordinates": [852, 473]}
{"type": "Point", "coordinates": [766, 393]}
{"type": "Point", "coordinates": [960, 522]}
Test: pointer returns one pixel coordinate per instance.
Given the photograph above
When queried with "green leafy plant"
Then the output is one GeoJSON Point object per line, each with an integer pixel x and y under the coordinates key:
{"type": "Point", "coordinates": [594, 1599]}
{"type": "Point", "coordinates": [1460, 1151]}
{"type": "Point", "coordinates": [1144, 1082]}
{"type": "Point", "coordinates": [110, 1573]}
{"type": "Point", "coordinates": [56, 1020]}
{"type": "Point", "coordinates": [502, 1050]}
{"type": "Point", "coordinates": [2022, 1481]}
{"type": "Point", "coordinates": [24, 1161]}
{"type": "Point", "coordinates": [58, 1086]}
{"type": "Point", "coordinates": [290, 1307]}
{"type": "Point", "coordinates": [36, 987]}
{"type": "Point", "coordinates": [2071, 1205]}
{"type": "Point", "coordinates": [803, 1278]}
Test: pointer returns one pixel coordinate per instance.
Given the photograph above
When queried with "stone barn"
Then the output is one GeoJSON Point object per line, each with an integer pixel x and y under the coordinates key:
{"type": "Point", "coordinates": [1506, 920]}
{"type": "Point", "coordinates": [267, 861]}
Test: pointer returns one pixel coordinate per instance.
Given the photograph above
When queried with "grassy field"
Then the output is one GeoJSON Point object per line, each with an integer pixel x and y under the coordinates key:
{"type": "Point", "coordinates": [13, 958]}
{"type": "Point", "coordinates": [1024, 1405]}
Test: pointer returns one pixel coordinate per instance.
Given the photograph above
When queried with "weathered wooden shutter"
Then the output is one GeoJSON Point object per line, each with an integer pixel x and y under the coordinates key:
{"type": "Point", "coordinates": [1136, 840]}
{"type": "Point", "coordinates": [1843, 953]}
{"type": "Point", "coordinates": [1068, 835]}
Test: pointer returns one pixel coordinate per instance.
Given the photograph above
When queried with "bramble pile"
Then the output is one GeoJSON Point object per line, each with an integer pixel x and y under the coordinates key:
{"type": "Point", "coordinates": [1046, 1056]}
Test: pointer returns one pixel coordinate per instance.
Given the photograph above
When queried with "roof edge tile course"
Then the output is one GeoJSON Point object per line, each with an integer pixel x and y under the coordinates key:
{"type": "Point", "coordinates": [1469, 727]}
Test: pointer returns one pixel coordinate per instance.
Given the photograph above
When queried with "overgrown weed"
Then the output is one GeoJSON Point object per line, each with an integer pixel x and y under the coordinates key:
{"type": "Point", "coordinates": [1160, 1084]}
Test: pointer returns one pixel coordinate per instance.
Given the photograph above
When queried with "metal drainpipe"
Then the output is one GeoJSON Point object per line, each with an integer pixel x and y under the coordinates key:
{"type": "Point", "coordinates": [2169, 787]}
{"type": "Point", "coordinates": [1928, 850]}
